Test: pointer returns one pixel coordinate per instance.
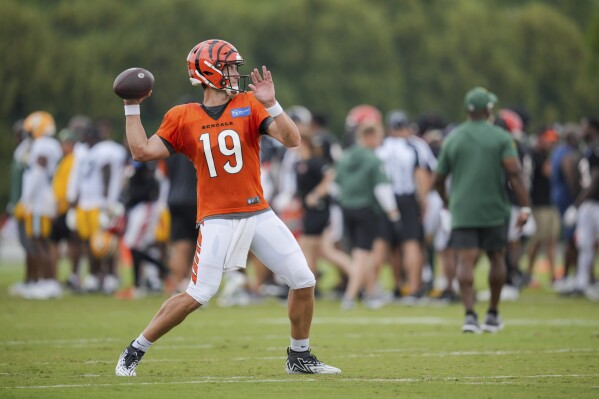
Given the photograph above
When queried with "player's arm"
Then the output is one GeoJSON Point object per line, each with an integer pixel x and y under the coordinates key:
{"type": "Point", "coordinates": [513, 171]}
{"type": "Point", "coordinates": [282, 129]}
{"type": "Point", "coordinates": [142, 148]}
{"type": "Point", "coordinates": [591, 190]}
{"type": "Point", "coordinates": [322, 189]}
{"type": "Point", "coordinates": [439, 184]}
{"type": "Point", "coordinates": [569, 169]}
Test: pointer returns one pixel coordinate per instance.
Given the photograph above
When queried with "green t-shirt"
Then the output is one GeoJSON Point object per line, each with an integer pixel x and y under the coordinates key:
{"type": "Point", "coordinates": [472, 154]}
{"type": "Point", "coordinates": [357, 173]}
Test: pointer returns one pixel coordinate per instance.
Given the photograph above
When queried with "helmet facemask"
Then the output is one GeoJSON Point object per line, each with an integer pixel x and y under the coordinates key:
{"type": "Point", "coordinates": [233, 85]}
{"type": "Point", "coordinates": [211, 64]}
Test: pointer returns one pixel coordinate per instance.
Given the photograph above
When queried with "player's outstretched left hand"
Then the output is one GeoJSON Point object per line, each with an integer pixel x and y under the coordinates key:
{"type": "Point", "coordinates": [263, 87]}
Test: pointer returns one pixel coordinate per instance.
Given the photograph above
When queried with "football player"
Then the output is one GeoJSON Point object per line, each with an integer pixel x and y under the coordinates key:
{"type": "Point", "coordinates": [585, 210]}
{"type": "Point", "coordinates": [39, 201]}
{"type": "Point", "coordinates": [97, 179]}
{"type": "Point", "coordinates": [221, 137]}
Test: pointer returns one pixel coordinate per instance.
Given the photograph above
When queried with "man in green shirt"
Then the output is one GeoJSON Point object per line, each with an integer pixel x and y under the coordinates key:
{"type": "Point", "coordinates": [364, 192]}
{"type": "Point", "coordinates": [479, 157]}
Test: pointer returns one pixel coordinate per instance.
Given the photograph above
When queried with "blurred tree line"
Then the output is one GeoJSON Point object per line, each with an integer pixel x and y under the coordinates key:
{"type": "Point", "coordinates": [419, 55]}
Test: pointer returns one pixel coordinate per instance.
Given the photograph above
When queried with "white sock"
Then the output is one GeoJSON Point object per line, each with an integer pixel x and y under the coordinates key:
{"type": "Point", "coordinates": [300, 345]}
{"type": "Point", "coordinates": [583, 267]}
{"type": "Point", "coordinates": [142, 343]}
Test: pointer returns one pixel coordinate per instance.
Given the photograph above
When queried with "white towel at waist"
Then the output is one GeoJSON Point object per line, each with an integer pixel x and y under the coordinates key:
{"type": "Point", "coordinates": [237, 254]}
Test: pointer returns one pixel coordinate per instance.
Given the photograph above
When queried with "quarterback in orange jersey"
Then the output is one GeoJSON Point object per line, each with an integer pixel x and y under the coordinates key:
{"type": "Point", "coordinates": [221, 137]}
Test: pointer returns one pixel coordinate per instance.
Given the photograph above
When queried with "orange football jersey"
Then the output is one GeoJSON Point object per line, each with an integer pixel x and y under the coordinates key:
{"type": "Point", "coordinates": [225, 152]}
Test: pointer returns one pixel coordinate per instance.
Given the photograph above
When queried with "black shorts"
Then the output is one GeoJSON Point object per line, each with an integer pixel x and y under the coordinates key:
{"type": "Point", "coordinates": [411, 220]}
{"type": "Point", "coordinates": [361, 227]}
{"type": "Point", "coordinates": [60, 231]}
{"type": "Point", "coordinates": [485, 238]}
{"type": "Point", "coordinates": [183, 223]}
{"type": "Point", "coordinates": [384, 229]}
{"type": "Point", "coordinates": [315, 221]}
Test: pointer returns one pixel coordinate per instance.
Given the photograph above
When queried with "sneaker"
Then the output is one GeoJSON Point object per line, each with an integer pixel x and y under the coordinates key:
{"type": "Point", "coordinates": [565, 284]}
{"type": "Point", "coordinates": [409, 300]}
{"type": "Point", "coordinates": [348, 304]}
{"type": "Point", "coordinates": [90, 284]}
{"type": "Point", "coordinates": [471, 324]}
{"type": "Point", "coordinates": [492, 324]}
{"type": "Point", "coordinates": [592, 293]}
{"type": "Point", "coordinates": [306, 363]}
{"type": "Point", "coordinates": [375, 302]}
{"type": "Point", "coordinates": [110, 284]}
{"type": "Point", "coordinates": [128, 361]}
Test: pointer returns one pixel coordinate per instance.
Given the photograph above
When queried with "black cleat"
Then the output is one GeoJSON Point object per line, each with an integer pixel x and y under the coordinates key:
{"type": "Point", "coordinates": [128, 361]}
{"type": "Point", "coordinates": [307, 363]}
{"type": "Point", "coordinates": [493, 323]}
{"type": "Point", "coordinates": [471, 324]}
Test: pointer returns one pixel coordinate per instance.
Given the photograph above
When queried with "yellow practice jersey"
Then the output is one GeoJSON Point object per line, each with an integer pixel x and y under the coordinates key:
{"type": "Point", "coordinates": [61, 182]}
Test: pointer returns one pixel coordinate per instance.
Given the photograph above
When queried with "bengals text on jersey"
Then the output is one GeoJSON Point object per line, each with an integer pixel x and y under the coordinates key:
{"type": "Point", "coordinates": [225, 152]}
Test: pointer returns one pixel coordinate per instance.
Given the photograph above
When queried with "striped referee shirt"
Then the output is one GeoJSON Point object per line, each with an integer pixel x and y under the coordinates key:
{"type": "Point", "coordinates": [400, 160]}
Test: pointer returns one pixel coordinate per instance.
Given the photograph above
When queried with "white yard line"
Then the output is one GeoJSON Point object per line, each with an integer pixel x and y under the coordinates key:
{"type": "Point", "coordinates": [250, 380]}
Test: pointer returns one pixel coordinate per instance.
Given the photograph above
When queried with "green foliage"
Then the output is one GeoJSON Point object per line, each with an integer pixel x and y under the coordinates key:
{"type": "Point", "coordinates": [62, 56]}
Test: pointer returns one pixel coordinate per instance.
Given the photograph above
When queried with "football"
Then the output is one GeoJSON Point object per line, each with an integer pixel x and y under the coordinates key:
{"type": "Point", "coordinates": [133, 83]}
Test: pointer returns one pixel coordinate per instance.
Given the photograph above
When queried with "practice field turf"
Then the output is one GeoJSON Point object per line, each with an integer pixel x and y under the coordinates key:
{"type": "Point", "coordinates": [68, 348]}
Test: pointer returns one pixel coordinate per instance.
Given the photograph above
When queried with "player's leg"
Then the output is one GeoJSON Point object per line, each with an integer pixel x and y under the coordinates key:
{"type": "Point", "coordinates": [494, 241]}
{"type": "Point", "coordinates": [586, 237]}
{"type": "Point", "coordinates": [181, 247]}
{"type": "Point", "coordinates": [276, 247]}
{"type": "Point", "coordinates": [466, 244]}
{"type": "Point", "coordinates": [207, 271]}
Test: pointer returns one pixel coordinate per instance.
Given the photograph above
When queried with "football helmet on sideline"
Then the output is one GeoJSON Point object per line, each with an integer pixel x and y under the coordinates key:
{"type": "Point", "coordinates": [207, 64]}
{"type": "Point", "coordinates": [103, 244]}
{"type": "Point", "coordinates": [39, 123]}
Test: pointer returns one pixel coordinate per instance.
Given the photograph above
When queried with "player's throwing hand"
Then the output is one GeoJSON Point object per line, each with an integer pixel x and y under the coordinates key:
{"type": "Point", "coordinates": [263, 87]}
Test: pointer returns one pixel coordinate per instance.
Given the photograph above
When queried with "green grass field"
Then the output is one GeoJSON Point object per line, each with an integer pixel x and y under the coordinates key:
{"type": "Point", "coordinates": [68, 348]}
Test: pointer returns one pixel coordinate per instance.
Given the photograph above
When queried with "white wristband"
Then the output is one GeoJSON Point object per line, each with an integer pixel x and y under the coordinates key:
{"type": "Point", "coordinates": [526, 209]}
{"type": "Point", "coordinates": [275, 110]}
{"type": "Point", "coordinates": [132, 109]}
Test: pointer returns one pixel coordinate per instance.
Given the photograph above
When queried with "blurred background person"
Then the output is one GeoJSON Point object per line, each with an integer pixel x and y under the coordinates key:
{"type": "Point", "coordinates": [363, 191]}
{"type": "Point", "coordinates": [79, 124]}
{"type": "Point", "coordinates": [40, 203]}
{"type": "Point", "coordinates": [565, 186]}
{"type": "Point", "coordinates": [586, 210]}
{"type": "Point", "coordinates": [61, 234]}
{"type": "Point", "coordinates": [15, 207]}
{"type": "Point", "coordinates": [143, 210]}
{"type": "Point", "coordinates": [512, 122]}
{"type": "Point", "coordinates": [545, 214]}
{"type": "Point", "coordinates": [98, 179]}
{"type": "Point", "coordinates": [314, 176]}
{"type": "Point", "coordinates": [479, 157]}
{"type": "Point", "coordinates": [437, 230]}
{"type": "Point", "coordinates": [182, 203]}
{"type": "Point", "coordinates": [411, 183]}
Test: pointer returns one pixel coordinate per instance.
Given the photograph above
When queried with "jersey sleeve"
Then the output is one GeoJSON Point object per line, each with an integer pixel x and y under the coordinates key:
{"type": "Point", "coordinates": [170, 130]}
{"type": "Point", "coordinates": [509, 148]}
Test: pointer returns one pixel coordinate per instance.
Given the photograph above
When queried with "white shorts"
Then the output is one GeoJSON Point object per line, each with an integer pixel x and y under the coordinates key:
{"type": "Point", "coordinates": [587, 224]}
{"type": "Point", "coordinates": [432, 216]}
{"type": "Point", "coordinates": [273, 244]}
{"type": "Point", "coordinates": [141, 225]}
